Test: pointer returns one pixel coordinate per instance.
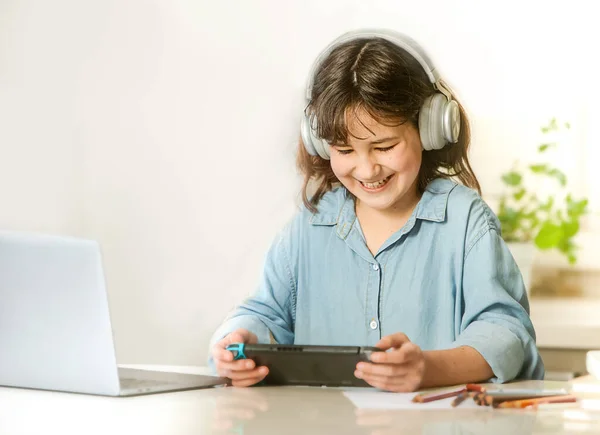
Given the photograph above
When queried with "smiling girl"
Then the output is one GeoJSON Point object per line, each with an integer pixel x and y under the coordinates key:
{"type": "Point", "coordinates": [395, 248]}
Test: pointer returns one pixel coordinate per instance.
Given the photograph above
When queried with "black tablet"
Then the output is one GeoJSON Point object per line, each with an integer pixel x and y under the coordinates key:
{"type": "Point", "coordinates": [331, 366]}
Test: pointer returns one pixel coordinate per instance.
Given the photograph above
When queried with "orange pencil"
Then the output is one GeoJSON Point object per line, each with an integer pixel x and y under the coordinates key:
{"type": "Point", "coordinates": [430, 397]}
{"type": "Point", "coordinates": [523, 403]}
{"type": "Point", "coordinates": [475, 387]}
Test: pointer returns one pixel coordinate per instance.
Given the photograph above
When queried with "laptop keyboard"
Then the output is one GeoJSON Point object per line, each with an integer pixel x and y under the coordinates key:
{"type": "Point", "coordinates": [129, 383]}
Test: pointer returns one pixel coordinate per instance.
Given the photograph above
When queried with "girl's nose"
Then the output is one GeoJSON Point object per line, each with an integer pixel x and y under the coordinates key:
{"type": "Point", "coordinates": [367, 168]}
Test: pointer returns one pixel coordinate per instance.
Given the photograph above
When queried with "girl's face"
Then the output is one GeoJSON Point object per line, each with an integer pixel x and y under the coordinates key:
{"type": "Point", "coordinates": [380, 164]}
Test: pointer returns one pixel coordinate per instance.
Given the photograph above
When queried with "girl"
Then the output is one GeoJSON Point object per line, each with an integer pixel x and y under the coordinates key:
{"type": "Point", "coordinates": [388, 250]}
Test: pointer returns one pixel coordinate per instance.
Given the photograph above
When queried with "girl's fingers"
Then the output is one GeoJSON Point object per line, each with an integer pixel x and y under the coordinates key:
{"type": "Point", "coordinates": [239, 365]}
{"type": "Point", "coordinates": [259, 372]}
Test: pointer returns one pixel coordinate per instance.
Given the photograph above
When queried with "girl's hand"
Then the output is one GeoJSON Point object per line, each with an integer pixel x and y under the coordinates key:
{"type": "Point", "coordinates": [400, 369]}
{"type": "Point", "coordinates": [242, 372]}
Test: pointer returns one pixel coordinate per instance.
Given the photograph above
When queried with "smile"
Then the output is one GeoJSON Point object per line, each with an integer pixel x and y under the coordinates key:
{"type": "Point", "coordinates": [376, 185]}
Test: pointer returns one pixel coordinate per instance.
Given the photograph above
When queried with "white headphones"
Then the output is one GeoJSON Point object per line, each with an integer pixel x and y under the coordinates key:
{"type": "Point", "coordinates": [439, 118]}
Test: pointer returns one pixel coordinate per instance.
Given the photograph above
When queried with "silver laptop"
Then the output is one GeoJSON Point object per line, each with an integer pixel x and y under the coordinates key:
{"type": "Point", "coordinates": [55, 330]}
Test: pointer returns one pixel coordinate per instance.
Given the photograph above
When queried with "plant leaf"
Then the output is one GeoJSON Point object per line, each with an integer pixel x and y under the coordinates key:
{"type": "Point", "coordinates": [552, 125]}
{"type": "Point", "coordinates": [570, 228]}
{"type": "Point", "coordinates": [543, 147]}
{"type": "Point", "coordinates": [567, 247]}
{"type": "Point", "coordinates": [519, 194]}
{"type": "Point", "coordinates": [539, 169]}
{"type": "Point", "coordinates": [512, 178]}
{"type": "Point", "coordinates": [576, 208]}
{"type": "Point", "coordinates": [549, 236]}
{"type": "Point", "coordinates": [559, 175]}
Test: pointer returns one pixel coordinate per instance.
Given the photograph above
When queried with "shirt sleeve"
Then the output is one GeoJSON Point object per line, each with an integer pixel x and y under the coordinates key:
{"type": "Point", "coordinates": [270, 311]}
{"type": "Point", "coordinates": [496, 319]}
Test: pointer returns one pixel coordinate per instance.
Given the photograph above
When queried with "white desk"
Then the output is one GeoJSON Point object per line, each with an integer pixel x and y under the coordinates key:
{"type": "Point", "coordinates": [264, 411]}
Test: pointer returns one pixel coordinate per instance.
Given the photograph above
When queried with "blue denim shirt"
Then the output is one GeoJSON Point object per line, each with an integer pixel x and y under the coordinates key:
{"type": "Point", "coordinates": [445, 279]}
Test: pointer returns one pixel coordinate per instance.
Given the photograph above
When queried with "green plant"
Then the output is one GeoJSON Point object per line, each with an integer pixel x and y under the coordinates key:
{"type": "Point", "coordinates": [549, 222]}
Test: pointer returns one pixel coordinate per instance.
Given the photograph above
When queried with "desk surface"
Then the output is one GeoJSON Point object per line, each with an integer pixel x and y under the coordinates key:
{"type": "Point", "coordinates": [264, 411]}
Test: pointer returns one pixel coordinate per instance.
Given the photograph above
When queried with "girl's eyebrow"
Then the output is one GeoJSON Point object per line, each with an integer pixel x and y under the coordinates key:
{"type": "Point", "coordinates": [373, 142]}
{"type": "Point", "coordinates": [383, 140]}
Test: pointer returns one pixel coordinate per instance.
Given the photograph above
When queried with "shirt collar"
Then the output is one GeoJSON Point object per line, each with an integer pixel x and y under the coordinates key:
{"type": "Point", "coordinates": [434, 202]}
{"type": "Point", "coordinates": [337, 207]}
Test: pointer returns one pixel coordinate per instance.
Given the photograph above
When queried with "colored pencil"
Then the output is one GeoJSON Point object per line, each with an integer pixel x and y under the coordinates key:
{"type": "Point", "coordinates": [475, 387]}
{"type": "Point", "coordinates": [541, 400]}
{"type": "Point", "coordinates": [438, 395]}
{"type": "Point", "coordinates": [479, 398]}
{"type": "Point", "coordinates": [462, 397]}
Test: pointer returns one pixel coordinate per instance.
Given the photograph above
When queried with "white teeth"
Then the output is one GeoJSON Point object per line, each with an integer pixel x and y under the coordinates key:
{"type": "Point", "coordinates": [376, 184]}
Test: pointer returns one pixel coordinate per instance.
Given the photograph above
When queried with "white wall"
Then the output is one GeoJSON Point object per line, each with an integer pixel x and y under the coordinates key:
{"type": "Point", "coordinates": [167, 130]}
{"type": "Point", "coordinates": [40, 142]}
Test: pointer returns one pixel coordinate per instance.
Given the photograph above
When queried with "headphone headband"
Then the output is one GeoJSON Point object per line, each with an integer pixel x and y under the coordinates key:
{"type": "Point", "coordinates": [439, 116]}
{"type": "Point", "coordinates": [396, 38]}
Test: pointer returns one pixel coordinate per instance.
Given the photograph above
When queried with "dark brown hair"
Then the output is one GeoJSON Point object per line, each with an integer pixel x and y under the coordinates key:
{"type": "Point", "coordinates": [390, 85]}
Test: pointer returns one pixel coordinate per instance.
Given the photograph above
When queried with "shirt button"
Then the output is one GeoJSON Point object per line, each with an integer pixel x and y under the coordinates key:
{"type": "Point", "coordinates": [373, 324]}
{"type": "Point", "coordinates": [376, 266]}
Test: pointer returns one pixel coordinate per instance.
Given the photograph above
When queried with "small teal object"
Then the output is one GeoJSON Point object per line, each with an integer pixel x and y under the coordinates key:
{"type": "Point", "coordinates": [238, 350]}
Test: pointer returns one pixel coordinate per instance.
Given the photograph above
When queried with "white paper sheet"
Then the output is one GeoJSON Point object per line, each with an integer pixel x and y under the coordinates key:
{"type": "Point", "coordinates": [385, 400]}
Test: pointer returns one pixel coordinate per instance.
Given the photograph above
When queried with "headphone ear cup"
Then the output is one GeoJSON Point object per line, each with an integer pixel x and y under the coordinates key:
{"type": "Point", "coordinates": [431, 126]}
{"type": "Point", "coordinates": [324, 149]}
{"type": "Point", "coordinates": [314, 145]}
{"type": "Point", "coordinates": [451, 122]}
{"type": "Point", "coordinates": [306, 134]}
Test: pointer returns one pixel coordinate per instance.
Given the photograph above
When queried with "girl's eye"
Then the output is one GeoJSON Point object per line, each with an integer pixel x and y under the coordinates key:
{"type": "Point", "coordinates": [347, 151]}
{"type": "Point", "coordinates": [386, 149]}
